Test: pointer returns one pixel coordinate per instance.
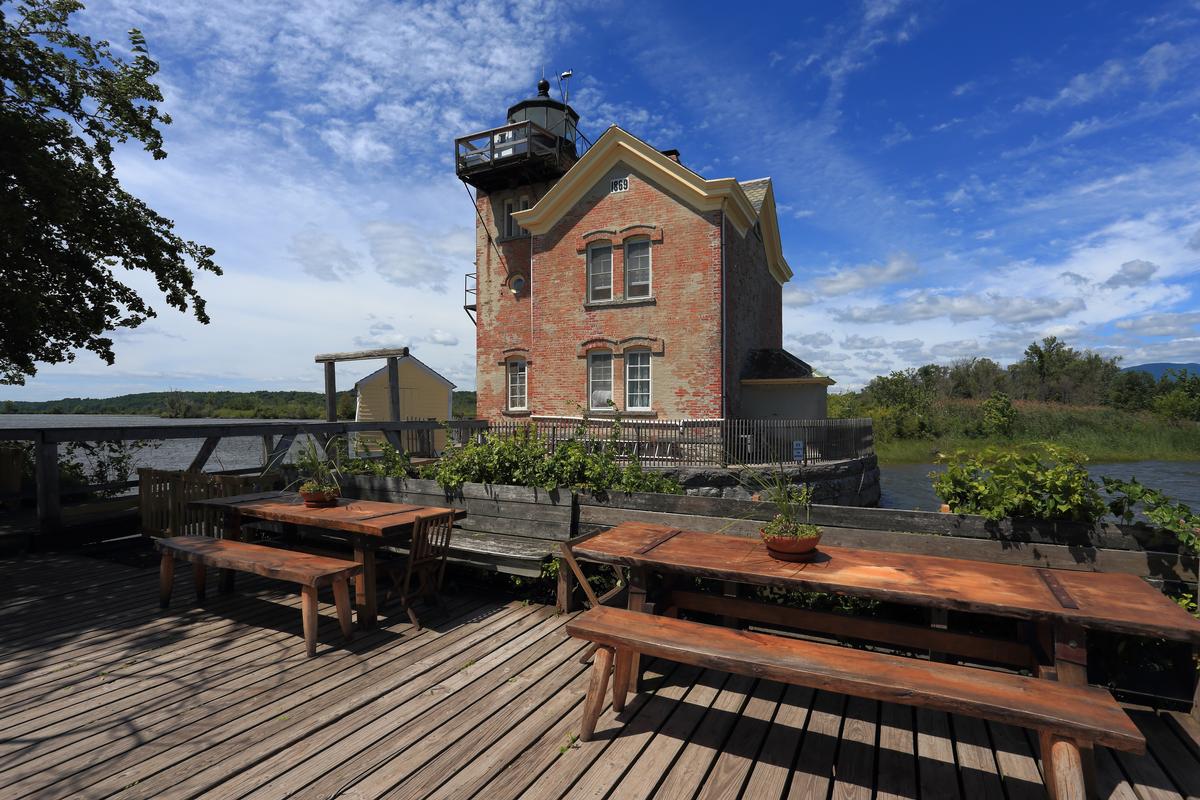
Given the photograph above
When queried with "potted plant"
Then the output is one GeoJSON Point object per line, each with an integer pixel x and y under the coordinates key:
{"type": "Point", "coordinates": [789, 535]}
{"type": "Point", "coordinates": [319, 486]}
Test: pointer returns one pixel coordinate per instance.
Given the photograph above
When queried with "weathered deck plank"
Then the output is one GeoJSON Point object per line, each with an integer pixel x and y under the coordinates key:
{"type": "Point", "coordinates": [101, 694]}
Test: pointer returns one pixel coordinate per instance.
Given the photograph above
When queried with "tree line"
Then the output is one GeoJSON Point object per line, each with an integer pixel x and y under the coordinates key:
{"type": "Point", "coordinates": [1050, 372]}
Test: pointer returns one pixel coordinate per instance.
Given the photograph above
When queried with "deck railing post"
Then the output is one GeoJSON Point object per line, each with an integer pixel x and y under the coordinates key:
{"type": "Point", "coordinates": [330, 391]}
{"type": "Point", "coordinates": [49, 503]}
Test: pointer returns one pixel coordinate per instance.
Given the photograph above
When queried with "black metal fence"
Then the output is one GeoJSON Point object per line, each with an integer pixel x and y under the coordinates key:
{"type": "Point", "coordinates": [712, 442]}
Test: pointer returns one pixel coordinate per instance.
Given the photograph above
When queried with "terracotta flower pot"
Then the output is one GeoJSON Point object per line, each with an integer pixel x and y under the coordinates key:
{"type": "Point", "coordinates": [319, 499]}
{"type": "Point", "coordinates": [789, 548]}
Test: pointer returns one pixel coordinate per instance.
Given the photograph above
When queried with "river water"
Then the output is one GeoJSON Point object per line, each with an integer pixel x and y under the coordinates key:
{"type": "Point", "coordinates": [904, 485]}
{"type": "Point", "coordinates": [234, 452]}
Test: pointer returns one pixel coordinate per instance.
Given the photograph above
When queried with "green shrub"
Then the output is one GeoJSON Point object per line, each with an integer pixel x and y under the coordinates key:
{"type": "Point", "coordinates": [1167, 514]}
{"type": "Point", "coordinates": [1038, 480]}
{"type": "Point", "coordinates": [999, 416]}
{"type": "Point", "coordinates": [526, 459]}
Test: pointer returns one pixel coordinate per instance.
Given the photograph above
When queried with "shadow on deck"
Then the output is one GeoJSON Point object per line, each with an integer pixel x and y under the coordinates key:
{"type": "Point", "coordinates": [101, 694]}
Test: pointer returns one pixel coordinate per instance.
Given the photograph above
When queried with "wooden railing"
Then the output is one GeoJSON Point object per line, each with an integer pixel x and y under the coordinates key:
{"type": "Point", "coordinates": [715, 442]}
{"type": "Point", "coordinates": [514, 141]}
{"type": "Point", "coordinates": [277, 439]}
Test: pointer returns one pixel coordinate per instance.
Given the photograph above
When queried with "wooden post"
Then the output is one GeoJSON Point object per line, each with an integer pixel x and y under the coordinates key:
{"type": "Point", "coordinates": [566, 588]}
{"type": "Point", "coordinates": [49, 503]}
{"type": "Point", "coordinates": [330, 392]}
{"type": "Point", "coordinates": [206, 451]}
{"type": "Point", "coordinates": [393, 367]}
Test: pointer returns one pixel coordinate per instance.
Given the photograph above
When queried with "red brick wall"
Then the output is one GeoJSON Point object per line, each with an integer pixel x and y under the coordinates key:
{"type": "Point", "coordinates": [683, 321]}
{"type": "Point", "coordinates": [754, 306]}
{"type": "Point", "coordinates": [503, 320]}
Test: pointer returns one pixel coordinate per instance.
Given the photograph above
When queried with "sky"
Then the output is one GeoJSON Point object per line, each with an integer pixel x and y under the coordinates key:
{"type": "Point", "coordinates": [954, 179]}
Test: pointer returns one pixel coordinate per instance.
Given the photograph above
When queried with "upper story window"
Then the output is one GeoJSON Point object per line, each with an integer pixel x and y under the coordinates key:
{"type": "Point", "coordinates": [637, 268]}
{"type": "Point", "coordinates": [524, 207]}
{"type": "Point", "coordinates": [599, 272]}
{"type": "Point", "coordinates": [518, 397]}
{"type": "Point", "coordinates": [637, 380]}
{"type": "Point", "coordinates": [600, 380]}
{"type": "Point", "coordinates": [509, 228]}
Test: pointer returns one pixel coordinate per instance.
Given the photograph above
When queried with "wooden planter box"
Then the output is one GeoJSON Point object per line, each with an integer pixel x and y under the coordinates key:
{"type": "Point", "coordinates": [511, 529]}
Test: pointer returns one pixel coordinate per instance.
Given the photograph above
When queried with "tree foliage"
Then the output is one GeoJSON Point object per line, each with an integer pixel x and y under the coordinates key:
{"type": "Point", "coordinates": [68, 227]}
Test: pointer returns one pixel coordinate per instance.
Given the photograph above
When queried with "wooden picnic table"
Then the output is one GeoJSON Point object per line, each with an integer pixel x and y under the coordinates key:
{"type": "Point", "coordinates": [366, 525]}
{"type": "Point", "coordinates": [1057, 607]}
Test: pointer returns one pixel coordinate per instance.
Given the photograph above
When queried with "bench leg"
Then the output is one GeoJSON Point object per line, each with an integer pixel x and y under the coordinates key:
{"type": "Point", "coordinates": [341, 597]}
{"type": "Point", "coordinates": [199, 575]}
{"type": "Point", "coordinates": [620, 689]}
{"type": "Point", "coordinates": [166, 580]}
{"type": "Point", "coordinates": [308, 609]}
{"type": "Point", "coordinates": [1065, 774]}
{"type": "Point", "coordinates": [594, 702]}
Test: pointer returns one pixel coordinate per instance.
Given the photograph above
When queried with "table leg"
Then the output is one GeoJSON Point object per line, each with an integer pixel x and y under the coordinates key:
{"type": "Point", "coordinates": [638, 578]}
{"type": "Point", "coordinates": [233, 532]}
{"type": "Point", "coordinates": [364, 588]}
{"type": "Point", "coordinates": [1067, 645]}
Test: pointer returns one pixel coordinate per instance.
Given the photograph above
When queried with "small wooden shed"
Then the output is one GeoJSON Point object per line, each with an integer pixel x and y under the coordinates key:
{"type": "Point", "coordinates": [424, 395]}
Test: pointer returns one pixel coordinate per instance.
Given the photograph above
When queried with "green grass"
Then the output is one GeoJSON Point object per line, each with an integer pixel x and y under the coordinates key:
{"type": "Point", "coordinates": [1102, 434]}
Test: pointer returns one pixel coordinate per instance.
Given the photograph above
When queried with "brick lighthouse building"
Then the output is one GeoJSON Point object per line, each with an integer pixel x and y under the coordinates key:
{"type": "Point", "coordinates": [618, 279]}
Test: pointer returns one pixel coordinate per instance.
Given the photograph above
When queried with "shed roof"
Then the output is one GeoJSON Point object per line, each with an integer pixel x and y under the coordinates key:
{"type": "Point", "coordinates": [778, 365]}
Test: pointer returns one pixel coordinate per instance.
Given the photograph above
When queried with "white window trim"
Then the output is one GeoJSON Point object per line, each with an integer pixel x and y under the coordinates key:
{"type": "Point", "coordinates": [611, 378]}
{"type": "Point", "coordinates": [649, 380]}
{"type": "Point", "coordinates": [508, 386]}
{"type": "Point", "coordinates": [524, 204]}
{"type": "Point", "coordinates": [588, 270]}
{"type": "Point", "coordinates": [649, 268]}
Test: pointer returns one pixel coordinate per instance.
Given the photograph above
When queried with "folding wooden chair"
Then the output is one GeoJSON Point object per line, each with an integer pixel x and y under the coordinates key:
{"type": "Point", "coordinates": [423, 570]}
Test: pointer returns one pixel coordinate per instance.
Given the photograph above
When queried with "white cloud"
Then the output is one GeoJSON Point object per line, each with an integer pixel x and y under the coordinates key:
{"type": "Point", "coordinates": [927, 304]}
{"type": "Point", "coordinates": [1132, 273]}
{"type": "Point", "coordinates": [1165, 324]}
{"type": "Point", "coordinates": [866, 276]}
{"type": "Point", "coordinates": [856, 342]}
{"type": "Point", "coordinates": [408, 255]}
{"type": "Point", "coordinates": [963, 88]}
{"type": "Point", "coordinates": [322, 255]}
{"type": "Point", "coordinates": [1158, 65]}
{"type": "Point", "coordinates": [898, 135]}
{"type": "Point", "coordinates": [812, 339]}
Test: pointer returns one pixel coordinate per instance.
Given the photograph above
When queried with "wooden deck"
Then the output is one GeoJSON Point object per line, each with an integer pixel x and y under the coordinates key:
{"type": "Point", "coordinates": [101, 695]}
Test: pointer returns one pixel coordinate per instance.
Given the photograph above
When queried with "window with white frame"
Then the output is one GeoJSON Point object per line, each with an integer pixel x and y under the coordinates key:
{"type": "Point", "coordinates": [600, 380]}
{"type": "Point", "coordinates": [518, 399]}
{"type": "Point", "coordinates": [637, 268]}
{"type": "Point", "coordinates": [599, 272]}
{"type": "Point", "coordinates": [524, 207]}
{"type": "Point", "coordinates": [637, 380]}
{"type": "Point", "coordinates": [510, 224]}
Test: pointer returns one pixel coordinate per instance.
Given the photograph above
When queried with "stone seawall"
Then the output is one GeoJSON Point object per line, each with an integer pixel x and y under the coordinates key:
{"type": "Point", "coordinates": [852, 482]}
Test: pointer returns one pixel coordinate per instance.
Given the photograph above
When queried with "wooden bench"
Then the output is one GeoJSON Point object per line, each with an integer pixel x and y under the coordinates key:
{"type": "Point", "coordinates": [1071, 715]}
{"type": "Point", "coordinates": [310, 571]}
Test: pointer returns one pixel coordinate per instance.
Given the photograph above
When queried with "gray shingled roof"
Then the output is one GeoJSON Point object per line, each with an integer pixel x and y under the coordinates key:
{"type": "Point", "coordinates": [756, 191]}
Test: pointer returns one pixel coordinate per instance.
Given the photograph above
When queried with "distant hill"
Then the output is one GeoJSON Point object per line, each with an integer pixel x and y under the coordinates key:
{"type": "Point", "coordinates": [231, 405]}
{"type": "Point", "coordinates": [1160, 368]}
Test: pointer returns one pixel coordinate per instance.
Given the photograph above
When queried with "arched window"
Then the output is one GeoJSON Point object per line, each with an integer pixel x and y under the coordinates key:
{"type": "Point", "coordinates": [637, 268]}
{"type": "Point", "coordinates": [599, 272]}
{"type": "Point", "coordinates": [518, 384]}
{"type": "Point", "coordinates": [637, 380]}
{"type": "Point", "coordinates": [600, 380]}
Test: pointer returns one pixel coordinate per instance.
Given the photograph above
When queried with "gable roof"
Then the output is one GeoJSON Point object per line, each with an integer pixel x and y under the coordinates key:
{"type": "Point", "coordinates": [756, 190]}
{"type": "Point", "coordinates": [726, 194]}
{"type": "Point", "coordinates": [416, 362]}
